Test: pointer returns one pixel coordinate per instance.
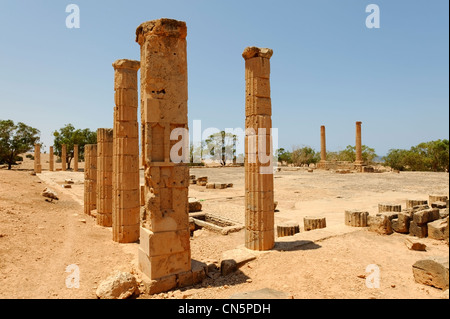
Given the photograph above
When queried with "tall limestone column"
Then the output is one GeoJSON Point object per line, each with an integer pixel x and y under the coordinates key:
{"type": "Point", "coordinates": [75, 158]}
{"type": "Point", "coordinates": [323, 145]}
{"type": "Point", "coordinates": [37, 158]}
{"type": "Point", "coordinates": [90, 178]}
{"type": "Point", "coordinates": [259, 200]}
{"type": "Point", "coordinates": [104, 176]}
{"type": "Point", "coordinates": [323, 149]}
{"type": "Point", "coordinates": [64, 157]}
{"type": "Point", "coordinates": [164, 252]}
{"type": "Point", "coordinates": [51, 159]}
{"type": "Point", "coordinates": [125, 178]}
{"type": "Point", "coordinates": [358, 145]}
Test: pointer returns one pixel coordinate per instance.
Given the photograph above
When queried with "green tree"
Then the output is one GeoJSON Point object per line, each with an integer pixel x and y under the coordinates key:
{"type": "Point", "coordinates": [70, 136]}
{"type": "Point", "coordinates": [435, 154]}
{"type": "Point", "coordinates": [222, 147]}
{"type": "Point", "coordinates": [332, 156]}
{"type": "Point", "coordinates": [304, 155]}
{"type": "Point", "coordinates": [284, 156]}
{"type": "Point", "coordinates": [16, 139]}
{"type": "Point", "coordinates": [349, 154]}
{"type": "Point", "coordinates": [395, 159]}
{"type": "Point", "coordinates": [427, 156]}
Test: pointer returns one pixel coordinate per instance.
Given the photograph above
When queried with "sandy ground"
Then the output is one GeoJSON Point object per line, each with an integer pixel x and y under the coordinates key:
{"type": "Point", "coordinates": [39, 239]}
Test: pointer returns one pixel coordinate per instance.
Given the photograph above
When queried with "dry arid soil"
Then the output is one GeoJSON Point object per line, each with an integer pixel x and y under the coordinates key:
{"type": "Point", "coordinates": [40, 239]}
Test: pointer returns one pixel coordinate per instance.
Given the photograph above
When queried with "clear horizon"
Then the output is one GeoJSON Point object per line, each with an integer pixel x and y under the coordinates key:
{"type": "Point", "coordinates": [328, 68]}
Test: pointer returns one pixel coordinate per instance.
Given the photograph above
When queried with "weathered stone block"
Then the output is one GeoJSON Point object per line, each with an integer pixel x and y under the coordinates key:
{"type": "Point", "coordinates": [401, 223]}
{"type": "Point", "coordinates": [387, 207]}
{"type": "Point", "coordinates": [288, 228]}
{"type": "Point", "coordinates": [425, 216]}
{"type": "Point", "coordinates": [414, 244]}
{"type": "Point", "coordinates": [257, 67]}
{"type": "Point", "coordinates": [439, 205]}
{"type": "Point", "coordinates": [311, 223]}
{"type": "Point", "coordinates": [185, 279]}
{"type": "Point", "coordinates": [126, 233]}
{"type": "Point", "coordinates": [159, 285]}
{"type": "Point", "coordinates": [380, 223]}
{"type": "Point", "coordinates": [356, 218]}
{"type": "Point", "coordinates": [159, 266]}
{"type": "Point", "coordinates": [432, 271]}
{"type": "Point", "coordinates": [410, 203]}
{"type": "Point", "coordinates": [195, 206]}
{"type": "Point", "coordinates": [420, 231]}
{"type": "Point", "coordinates": [437, 229]}
{"type": "Point", "coordinates": [162, 243]}
{"type": "Point", "coordinates": [437, 198]}
{"type": "Point", "coordinates": [168, 220]}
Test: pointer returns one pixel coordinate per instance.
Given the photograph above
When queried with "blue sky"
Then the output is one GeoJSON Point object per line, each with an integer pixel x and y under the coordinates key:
{"type": "Point", "coordinates": [328, 68]}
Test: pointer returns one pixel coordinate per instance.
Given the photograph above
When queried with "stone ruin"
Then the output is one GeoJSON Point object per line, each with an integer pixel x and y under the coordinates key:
{"type": "Point", "coordinates": [112, 187]}
{"type": "Point", "coordinates": [125, 172]}
{"type": "Point", "coordinates": [340, 166]}
{"type": "Point", "coordinates": [420, 218]}
{"type": "Point", "coordinates": [104, 177]}
{"type": "Point", "coordinates": [164, 251]}
{"type": "Point", "coordinates": [51, 160]}
{"type": "Point", "coordinates": [259, 200]}
{"type": "Point", "coordinates": [163, 225]}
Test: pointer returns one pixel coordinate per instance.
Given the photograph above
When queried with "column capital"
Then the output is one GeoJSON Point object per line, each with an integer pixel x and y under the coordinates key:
{"type": "Point", "coordinates": [161, 27]}
{"type": "Point", "coordinates": [253, 52]}
{"type": "Point", "coordinates": [126, 64]}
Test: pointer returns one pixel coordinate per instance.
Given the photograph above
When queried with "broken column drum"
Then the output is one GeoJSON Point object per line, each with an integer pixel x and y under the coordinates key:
{"type": "Point", "coordinates": [164, 252]}
{"type": "Point", "coordinates": [259, 197]}
{"type": "Point", "coordinates": [125, 183]}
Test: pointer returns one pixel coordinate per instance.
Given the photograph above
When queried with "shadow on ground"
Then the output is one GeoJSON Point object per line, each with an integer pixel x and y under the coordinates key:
{"type": "Point", "coordinates": [296, 245]}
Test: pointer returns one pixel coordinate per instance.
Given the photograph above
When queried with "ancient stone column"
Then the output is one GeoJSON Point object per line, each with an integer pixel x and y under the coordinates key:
{"type": "Point", "coordinates": [64, 157]}
{"type": "Point", "coordinates": [37, 158]}
{"type": "Point", "coordinates": [323, 149]}
{"type": "Point", "coordinates": [358, 145]}
{"type": "Point", "coordinates": [75, 158]}
{"type": "Point", "coordinates": [51, 160]}
{"type": "Point", "coordinates": [104, 176]}
{"type": "Point", "coordinates": [164, 252]}
{"type": "Point", "coordinates": [259, 200]}
{"type": "Point", "coordinates": [90, 178]}
{"type": "Point", "coordinates": [125, 180]}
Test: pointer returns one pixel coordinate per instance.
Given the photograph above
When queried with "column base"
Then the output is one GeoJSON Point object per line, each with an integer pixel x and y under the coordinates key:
{"type": "Point", "coordinates": [185, 279]}
{"type": "Point", "coordinates": [322, 165]}
{"type": "Point", "coordinates": [358, 165]}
